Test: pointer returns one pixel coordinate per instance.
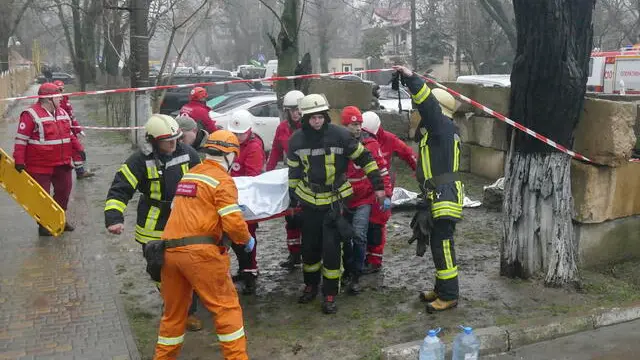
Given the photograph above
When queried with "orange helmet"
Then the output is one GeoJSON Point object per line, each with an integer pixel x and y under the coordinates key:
{"type": "Point", "coordinates": [48, 89]}
{"type": "Point", "coordinates": [59, 84]}
{"type": "Point", "coordinates": [198, 94]}
{"type": "Point", "coordinates": [224, 141]}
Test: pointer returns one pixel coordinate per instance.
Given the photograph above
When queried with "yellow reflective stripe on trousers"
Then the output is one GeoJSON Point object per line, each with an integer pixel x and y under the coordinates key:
{"type": "Point", "coordinates": [324, 198]}
{"type": "Point", "coordinates": [357, 152]}
{"type": "Point", "coordinates": [126, 172]}
{"type": "Point", "coordinates": [208, 180]}
{"type": "Point", "coordinates": [231, 337]}
{"type": "Point", "coordinates": [229, 209]}
{"type": "Point", "coordinates": [425, 158]}
{"type": "Point", "coordinates": [421, 95]}
{"type": "Point", "coordinates": [331, 274]}
{"type": "Point", "coordinates": [170, 341]}
{"type": "Point", "coordinates": [370, 167]}
{"type": "Point", "coordinates": [330, 168]}
{"type": "Point", "coordinates": [154, 190]}
{"type": "Point", "coordinates": [292, 163]}
{"type": "Point", "coordinates": [311, 268]}
{"type": "Point", "coordinates": [456, 153]}
{"type": "Point", "coordinates": [113, 204]}
{"type": "Point", "coordinates": [446, 249]}
{"type": "Point", "coordinates": [447, 273]}
{"type": "Point", "coordinates": [293, 183]}
{"type": "Point", "coordinates": [184, 167]}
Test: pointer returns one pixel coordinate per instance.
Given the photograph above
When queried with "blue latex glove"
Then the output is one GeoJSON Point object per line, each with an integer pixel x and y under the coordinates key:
{"type": "Point", "coordinates": [248, 247]}
{"type": "Point", "coordinates": [386, 205]}
{"type": "Point", "coordinates": [243, 208]}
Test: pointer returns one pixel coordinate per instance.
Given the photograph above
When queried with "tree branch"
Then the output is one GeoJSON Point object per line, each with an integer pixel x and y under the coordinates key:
{"type": "Point", "coordinates": [192, 14]}
{"type": "Point", "coordinates": [277, 18]}
{"type": "Point", "coordinates": [304, 3]}
{"type": "Point", "coordinates": [16, 21]}
{"type": "Point", "coordinates": [496, 12]}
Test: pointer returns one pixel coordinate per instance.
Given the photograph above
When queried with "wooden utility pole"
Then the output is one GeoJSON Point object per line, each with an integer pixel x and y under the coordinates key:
{"type": "Point", "coordinates": [414, 55]}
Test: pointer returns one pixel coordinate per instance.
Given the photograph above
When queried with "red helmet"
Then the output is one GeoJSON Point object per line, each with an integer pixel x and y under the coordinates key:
{"type": "Point", "coordinates": [48, 89]}
{"type": "Point", "coordinates": [351, 115]}
{"type": "Point", "coordinates": [59, 84]}
{"type": "Point", "coordinates": [198, 94]}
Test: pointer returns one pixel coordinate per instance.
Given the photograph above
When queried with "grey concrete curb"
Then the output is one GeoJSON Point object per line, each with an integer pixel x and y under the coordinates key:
{"type": "Point", "coordinates": [499, 339]}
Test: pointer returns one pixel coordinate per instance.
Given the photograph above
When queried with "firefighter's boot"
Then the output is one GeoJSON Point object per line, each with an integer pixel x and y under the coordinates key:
{"type": "Point", "coordinates": [249, 284]}
{"type": "Point", "coordinates": [42, 231]}
{"type": "Point", "coordinates": [193, 323]}
{"type": "Point", "coordinates": [441, 305]}
{"type": "Point", "coordinates": [84, 175]}
{"type": "Point", "coordinates": [371, 268]}
{"type": "Point", "coordinates": [308, 295]}
{"type": "Point", "coordinates": [354, 287]}
{"type": "Point", "coordinates": [428, 296]}
{"type": "Point", "coordinates": [68, 227]}
{"type": "Point", "coordinates": [292, 261]}
{"type": "Point", "coordinates": [329, 305]}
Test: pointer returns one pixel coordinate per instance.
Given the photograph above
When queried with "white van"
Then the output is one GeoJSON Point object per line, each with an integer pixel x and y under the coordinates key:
{"type": "Point", "coordinates": [272, 70]}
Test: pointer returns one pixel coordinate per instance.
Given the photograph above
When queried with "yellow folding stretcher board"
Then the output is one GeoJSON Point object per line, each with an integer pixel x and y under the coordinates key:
{"type": "Point", "coordinates": [31, 196]}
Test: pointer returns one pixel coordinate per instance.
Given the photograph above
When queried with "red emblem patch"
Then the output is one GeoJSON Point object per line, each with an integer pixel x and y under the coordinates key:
{"type": "Point", "coordinates": [187, 189]}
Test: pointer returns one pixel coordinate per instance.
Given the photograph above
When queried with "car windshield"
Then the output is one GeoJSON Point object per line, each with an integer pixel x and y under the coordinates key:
{"type": "Point", "coordinates": [232, 105]}
{"type": "Point", "coordinates": [216, 100]}
{"type": "Point", "coordinates": [387, 93]}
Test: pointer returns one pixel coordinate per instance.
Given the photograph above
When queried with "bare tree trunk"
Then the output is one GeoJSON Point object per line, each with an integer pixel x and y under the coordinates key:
{"type": "Point", "coordinates": [547, 94]}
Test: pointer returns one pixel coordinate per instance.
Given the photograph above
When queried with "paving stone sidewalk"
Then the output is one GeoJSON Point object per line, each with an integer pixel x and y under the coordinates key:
{"type": "Point", "coordinates": [59, 298]}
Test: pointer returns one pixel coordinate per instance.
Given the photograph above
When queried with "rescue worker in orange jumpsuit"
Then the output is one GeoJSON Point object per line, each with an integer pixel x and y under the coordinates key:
{"type": "Point", "coordinates": [249, 163]}
{"type": "Point", "coordinates": [390, 144]}
{"type": "Point", "coordinates": [205, 211]}
{"type": "Point", "coordinates": [43, 147]}
{"type": "Point", "coordinates": [198, 110]}
{"type": "Point", "coordinates": [79, 156]}
{"type": "Point", "coordinates": [363, 201]}
{"type": "Point", "coordinates": [278, 152]}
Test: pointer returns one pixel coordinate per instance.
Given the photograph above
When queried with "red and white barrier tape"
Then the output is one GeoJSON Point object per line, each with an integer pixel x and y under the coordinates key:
{"type": "Point", "coordinates": [108, 127]}
{"type": "Point", "coordinates": [518, 126]}
{"type": "Point", "coordinates": [214, 83]}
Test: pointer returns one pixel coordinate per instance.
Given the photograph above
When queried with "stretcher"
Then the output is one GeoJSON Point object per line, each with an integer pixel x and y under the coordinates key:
{"type": "Point", "coordinates": [31, 196]}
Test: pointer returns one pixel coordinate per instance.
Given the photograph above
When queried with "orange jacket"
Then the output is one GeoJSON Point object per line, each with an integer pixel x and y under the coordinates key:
{"type": "Point", "coordinates": [206, 204]}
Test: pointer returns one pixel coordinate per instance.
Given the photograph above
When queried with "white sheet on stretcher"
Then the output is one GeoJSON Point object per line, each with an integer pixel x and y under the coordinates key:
{"type": "Point", "coordinates": [267, 194]}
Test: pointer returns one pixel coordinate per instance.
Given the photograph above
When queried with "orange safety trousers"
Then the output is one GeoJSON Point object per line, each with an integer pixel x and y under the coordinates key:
{"type": "Point", "coordinates": [205, 268]}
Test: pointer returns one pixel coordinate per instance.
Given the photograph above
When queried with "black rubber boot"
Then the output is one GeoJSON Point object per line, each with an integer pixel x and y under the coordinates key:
{"type": "Point", "coordinates": [42, 231]}
{"type": "Point", "coordinates": [291, 262]}
{"type": "Point", "coordinates": [68, 227]}
{"type": "Point", "coordinates": [354, 286]}
{"type": "Point", "coordinates": [249, 284]}
{"type": "Point", "coordinates": [308, 295]}
{"type": "Point", "coordinates": [329, 305]}
{"type": "Point", "coordinates": [371, 269]}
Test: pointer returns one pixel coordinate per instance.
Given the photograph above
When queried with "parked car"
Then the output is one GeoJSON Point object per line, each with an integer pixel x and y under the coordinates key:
{"type": "Point", "coordinates": [174, 99]}
{"type": "Point", "coordinates": [389, 99]}
{"type": "Point", "coordinates": [492, 80]}
{"type": "Point", "coordinates": [265, 110]}
{"type": "Point", "coordinates": [232, 96]}
{"type": "Point", "coordinates": [66, 78]}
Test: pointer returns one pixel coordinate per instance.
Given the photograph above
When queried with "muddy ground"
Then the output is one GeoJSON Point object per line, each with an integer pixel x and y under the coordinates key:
{"type": "Point", "coordinates": [387, 313]}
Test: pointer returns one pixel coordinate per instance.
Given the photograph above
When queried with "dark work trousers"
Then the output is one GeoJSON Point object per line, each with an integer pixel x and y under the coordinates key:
{"type": "Point", "coordinates": [444, 259]}
{"type": "Point", "coordinates": [247, 261]}
{"type": "Point", "coordinates": [321, 251]}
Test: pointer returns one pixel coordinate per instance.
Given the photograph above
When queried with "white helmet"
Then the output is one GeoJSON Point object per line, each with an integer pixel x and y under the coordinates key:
{"type": "Point", "coordinates": [370, 122]}
{"type": "Point", "coordinates": [241, 122]}
{"type": "Point", "coordinates": [313, 103]}
{"type": "Point", "coordinates": [162, 127]}
{"type": "Point", "coordinates": [447, 102]}
{"type": "Point", "coordinates": [291, 98]}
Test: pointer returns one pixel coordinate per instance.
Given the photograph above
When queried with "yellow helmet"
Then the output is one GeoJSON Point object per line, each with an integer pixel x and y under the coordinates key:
{"type": "Point", "coordinates": [313, 103]}
{"type": "Point", "coordinates": [446, 100]}
{"type": "Point", "coordinates": [224, 141]}
{"type": "Point", "coordinates": [162, 128]}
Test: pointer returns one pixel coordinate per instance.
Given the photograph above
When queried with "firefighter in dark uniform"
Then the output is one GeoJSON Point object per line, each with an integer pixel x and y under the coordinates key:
{"type": "Point", "coordinates": [154, 172]}
{"type": "Point", "coordinates": [437, 175]}
{"type": "Point", "coordinates": [317, 157]}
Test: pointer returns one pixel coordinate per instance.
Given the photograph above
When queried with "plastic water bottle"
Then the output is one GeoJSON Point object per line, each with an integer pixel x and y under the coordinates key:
{"type": "Point", "coordinates": [466, 346]}
{"type": "Point", "coordinates": [432, 348]}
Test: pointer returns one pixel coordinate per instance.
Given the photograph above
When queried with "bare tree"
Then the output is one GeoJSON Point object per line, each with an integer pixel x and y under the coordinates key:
{"type": "Point", "coordinates": [500, 11]}
{"type": "Point", "coordinates": [12, 12]}
{"type": "Point", "coordinates": [547, 95]}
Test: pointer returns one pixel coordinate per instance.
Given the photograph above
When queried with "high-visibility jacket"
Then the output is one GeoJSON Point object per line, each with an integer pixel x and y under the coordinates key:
{"type": "Point", "coordinates": [281, 143]}
{"type": "Point", "coordinates": [156, 177]}
{"type": "Point", "coordinates": [206, 204]}
{"type": "Point", "coordinates": [439, 160]}
{"type": "Point", "coordinates": [318, 162]}
{"type": "Point", "coordinates": [362, 190]}
{"type": "Point", "coordinates": [199, 112]}
{"type": "Point", "coordinates": [251, 159]}
{"type": "Point", "coordinates": [44, 140]}
{"type": "Point", "coordinates": [390, 144]}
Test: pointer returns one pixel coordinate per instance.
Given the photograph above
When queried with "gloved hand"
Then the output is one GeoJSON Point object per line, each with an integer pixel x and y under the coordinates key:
{"type": "Point", "coordinates": [19, 167]}
{"type": "Point", "coordinates": [248, 247]}
{"type": "Point", "coordinates": [243, 208]}
{"type": "Point", "coordinates": [386, 204]}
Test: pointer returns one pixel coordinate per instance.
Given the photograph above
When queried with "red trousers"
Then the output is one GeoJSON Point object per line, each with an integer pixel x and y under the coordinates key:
{"type": "Point", "coordinates": [247, 261]}
{"type": "Point", "coordinates": [375, 252]}
{"type": "Point", "coordinates": [61, 180]}
{"type": "Point", "coordinates": [294, 236]}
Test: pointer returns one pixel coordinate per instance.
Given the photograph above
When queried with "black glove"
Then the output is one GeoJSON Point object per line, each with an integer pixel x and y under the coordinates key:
{"type": "Point", "coordinates": [19, 167]}
{"type": "Point", "coordinates": [293, 199]}
{"type": "Point", "coordinates": [421, 224]}
{"type": "Point", "coordinates": [83, 155]}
